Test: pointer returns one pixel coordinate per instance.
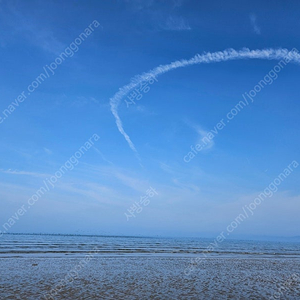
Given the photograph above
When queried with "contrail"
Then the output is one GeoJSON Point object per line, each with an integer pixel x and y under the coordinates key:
{"type": "Point", "coordinates": [229, 54]}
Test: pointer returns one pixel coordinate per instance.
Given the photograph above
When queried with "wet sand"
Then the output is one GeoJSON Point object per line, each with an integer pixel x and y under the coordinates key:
{"type": "Point", "coordinates": [147, 277]}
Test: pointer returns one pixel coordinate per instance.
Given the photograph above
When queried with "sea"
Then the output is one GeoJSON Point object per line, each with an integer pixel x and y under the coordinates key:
{"type": "Point", "coordinates": [22, 245]}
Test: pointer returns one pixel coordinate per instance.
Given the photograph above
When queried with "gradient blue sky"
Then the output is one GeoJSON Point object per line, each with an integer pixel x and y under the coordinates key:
{"type": "Point", "coordinates": [199, 198]}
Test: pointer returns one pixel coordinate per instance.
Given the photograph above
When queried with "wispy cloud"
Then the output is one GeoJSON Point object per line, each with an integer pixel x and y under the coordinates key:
{"type": "Point", "coordinates": [140, 4]}
{"type": "Point", "coordinates": [145, 4]}
{"type": "Point", "coordinates": [203, 133]}
{"type": "Point", "coordinates": [91, 190]}
{"type": "Point", "coordinates": [81, 101]}
{"type": "Point", "coordinates": [15, 172]}
{"type": "Point", "coordinates": [86, 181]}
{"type": "Point", "coordinates": [47, 151]}
{"type": "Point", "coordinates": [214, 57]}
{"type": "Point", "coordinates": [255, 27]}
{"type": "Point", "coordinates": [25, 26]}
{"type": "Point", "coordinates": [102, 156]}
{"type": "Point", "coordinates": [178, 3]}
{"type": "Point", "coordinates": [175, 24]}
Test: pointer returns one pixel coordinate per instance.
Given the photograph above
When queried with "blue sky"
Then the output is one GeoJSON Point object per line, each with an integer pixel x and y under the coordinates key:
{"type": "Point", "coordinates": [198, 198]}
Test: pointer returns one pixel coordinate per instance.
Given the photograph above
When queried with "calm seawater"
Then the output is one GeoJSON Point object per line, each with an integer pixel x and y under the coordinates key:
{"type": "Point", "coordinates": [19, 245]}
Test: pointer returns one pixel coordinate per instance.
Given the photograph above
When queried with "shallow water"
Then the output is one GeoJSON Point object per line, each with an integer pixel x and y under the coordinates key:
{"type": "Point", "coordinates": [146, 278]}
{"type": "Point", "coordinates": [56, 267]}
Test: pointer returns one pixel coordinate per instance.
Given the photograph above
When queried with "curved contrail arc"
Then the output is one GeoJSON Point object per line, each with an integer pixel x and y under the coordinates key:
{"type": "Point", "coordinates": [229, 54]}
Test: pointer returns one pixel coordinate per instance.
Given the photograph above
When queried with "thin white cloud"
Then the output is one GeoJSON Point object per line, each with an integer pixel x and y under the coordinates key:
{"type": "Point", "coordinates": [15, 172]}
{"type": "Point", "coordinates": [81, 101]}
{"type": "Point", "coordinates": [214, 57]}
{"type": "Point", "coordinates": [111, 172]}
{"type": "Point", "coordinates": [177, 3]}
{"type": "Point", "coordinates": [100, 193]}
{"type": "Point", "coordinates": [140, 4]}
{"type": "Point", "coordinates": [175, 24]}
{"type": "Point", "coordinates": [94, 100]}
{"type": "Point", "coordinates": [145, 4]}
{"type": "Point", "coordinates": [102, 156]}
{"type": "Point", "coordinates": [135, 183]}
{"type": "Point", "coordinates": [48, 151]}
{"type": "Point", "coordinates": [255, 27]}
{"type": "Point", "coordinates": [24, 25]}
{"type": "Point", "coordinates": [203, 133]}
